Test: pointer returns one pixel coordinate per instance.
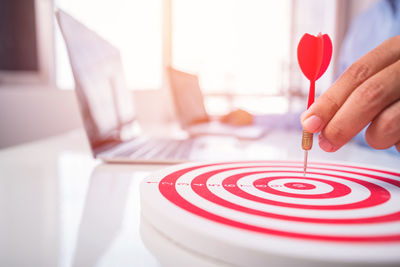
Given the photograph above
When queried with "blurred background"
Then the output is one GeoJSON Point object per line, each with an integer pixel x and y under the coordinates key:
{"type": "Point", "coordinates": [244, 52]}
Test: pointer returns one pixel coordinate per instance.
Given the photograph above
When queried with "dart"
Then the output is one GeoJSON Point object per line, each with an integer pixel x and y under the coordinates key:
{"type": "Point", "coordinates": [314, 54]}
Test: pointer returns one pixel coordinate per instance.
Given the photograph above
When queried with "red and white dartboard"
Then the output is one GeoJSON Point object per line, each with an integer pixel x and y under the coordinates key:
{"type": "Point", "coordinates": [248, 213]}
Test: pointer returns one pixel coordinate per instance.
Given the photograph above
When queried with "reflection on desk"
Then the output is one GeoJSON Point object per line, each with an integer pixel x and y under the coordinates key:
{"type": "Point", "coordinates": [61, 207]}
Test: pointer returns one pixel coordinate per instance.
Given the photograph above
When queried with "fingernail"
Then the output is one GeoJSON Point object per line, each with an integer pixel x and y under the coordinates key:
{"type": "Point", "coordinates": [312, 124]}
{"type": "Point", "coordinates": [325, 144]}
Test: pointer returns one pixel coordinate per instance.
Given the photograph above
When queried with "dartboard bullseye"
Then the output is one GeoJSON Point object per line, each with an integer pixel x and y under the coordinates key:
{"type": "Point", "coordinates": [338, 213]}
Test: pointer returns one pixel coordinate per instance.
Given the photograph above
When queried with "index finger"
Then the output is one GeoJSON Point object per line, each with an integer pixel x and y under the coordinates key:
{"type": "Point", "coordinates": [326, 106]}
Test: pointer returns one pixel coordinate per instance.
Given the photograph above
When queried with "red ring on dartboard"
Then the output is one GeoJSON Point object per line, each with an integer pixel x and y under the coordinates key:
{"type": "Point", "coordinates": [168, 190]}
{"type": "Point", "coordinates": [339, 190]}
{"type": "Point", "coordinates": [204, 192]}
{"type": "Point", "coordinates": [378, 196]}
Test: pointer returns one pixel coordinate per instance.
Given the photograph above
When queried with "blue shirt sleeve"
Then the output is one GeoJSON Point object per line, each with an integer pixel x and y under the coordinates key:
{"type": "Point", "coordinates": [378, 23]}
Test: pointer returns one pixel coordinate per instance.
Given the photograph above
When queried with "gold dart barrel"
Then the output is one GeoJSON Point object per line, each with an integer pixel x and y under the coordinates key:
{"type": "Point", "coordinates": [306, 144]}
{"type": "Point", "coordinates": [306, 140]}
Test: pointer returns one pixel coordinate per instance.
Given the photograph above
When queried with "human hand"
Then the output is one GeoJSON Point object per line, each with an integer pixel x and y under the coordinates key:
{"type": "Point", "coordinates": [238, 117]}
{"type": "Point", "coordinates": [367, 92]}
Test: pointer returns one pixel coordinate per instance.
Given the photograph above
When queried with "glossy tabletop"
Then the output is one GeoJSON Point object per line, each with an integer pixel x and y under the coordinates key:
{"type": "Point", "coordinates": [61, 207]}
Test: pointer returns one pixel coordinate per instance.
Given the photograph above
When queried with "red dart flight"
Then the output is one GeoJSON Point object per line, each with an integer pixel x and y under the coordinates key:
{"type": "Point", "coordinates": [314, 54]}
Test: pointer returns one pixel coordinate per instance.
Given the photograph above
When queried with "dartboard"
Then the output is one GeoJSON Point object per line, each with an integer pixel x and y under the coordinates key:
{"type": "Point", "coordinates": [247, 213]}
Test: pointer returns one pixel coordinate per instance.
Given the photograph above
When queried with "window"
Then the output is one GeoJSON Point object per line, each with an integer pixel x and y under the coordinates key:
{"type": "Point", "coordinates": [134, 26]}
{"type": "Point", "coordinates": [237, 48]}
{"type": "Point", "coordinates": [244, 51]}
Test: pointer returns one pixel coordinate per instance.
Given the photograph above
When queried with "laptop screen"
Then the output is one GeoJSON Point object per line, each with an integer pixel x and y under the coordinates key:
{"type": "Point", "coordinates": [105, 102]}
{"type": "Point", "coordinates": [188, 99]}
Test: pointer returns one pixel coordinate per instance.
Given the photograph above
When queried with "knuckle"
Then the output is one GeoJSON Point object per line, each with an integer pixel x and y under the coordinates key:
{"type": "Point", "coordinates": [395, 71]}
{"type": "Point", "coordinates": [335, 134]}
{"type": "Point", "coordinates": [359, 72]}
{"type": "Point", "coordinates": [370, 92]}
{"type": "Point", "coordinates": [389, 123]}
{"type": "Point", "coordinates": [398, 147]}
{"type": "Point", "coordinates": [380, 133]}
{"type": "Point", "coordinates": [394, 40]}
{"type": "Point", "coordinates": [372, 139]}
{"type": "Point", "coordinates": [330, 102]}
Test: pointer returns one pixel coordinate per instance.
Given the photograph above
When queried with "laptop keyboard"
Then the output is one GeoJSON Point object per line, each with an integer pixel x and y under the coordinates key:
{"type": "Point", "coordinates": [142, 148]}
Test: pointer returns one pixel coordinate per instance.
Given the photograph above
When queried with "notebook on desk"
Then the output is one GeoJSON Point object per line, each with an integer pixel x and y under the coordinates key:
{"type": "Point", "coordinates": [107, 109]}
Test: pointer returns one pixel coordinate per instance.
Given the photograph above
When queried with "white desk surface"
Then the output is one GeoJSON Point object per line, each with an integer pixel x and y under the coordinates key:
{"type": "Point", "coordinates": [60, 207]}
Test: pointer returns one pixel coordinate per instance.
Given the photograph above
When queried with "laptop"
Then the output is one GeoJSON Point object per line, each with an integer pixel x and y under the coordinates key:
{"type": "Point", "coordinates": [192, 114]}
{"type": "Point", "coordinates": [107, 109]}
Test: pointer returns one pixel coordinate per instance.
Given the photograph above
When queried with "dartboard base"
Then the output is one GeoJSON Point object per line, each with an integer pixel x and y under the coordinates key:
{"type": "Point", "coordinates": [253, 213]}
{"type": "Point", "coordinates": [172, 254]}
